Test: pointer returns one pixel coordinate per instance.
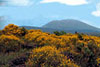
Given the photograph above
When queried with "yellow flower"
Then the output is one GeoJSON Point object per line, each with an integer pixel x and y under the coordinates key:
{"type": "Point", "coordinates": [98, 61]}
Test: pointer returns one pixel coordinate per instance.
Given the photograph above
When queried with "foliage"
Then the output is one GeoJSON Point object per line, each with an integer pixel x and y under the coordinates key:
{"type": "Point", "coordinates": [80, 37]}
{"type": "Point", "coordinates": [12, 29]}
{"type": "Point", "coordinates": [9, 43]}
{"type": "Point", "coordinates": [60, 49]}
{"type": "Point", "coordinates": [59, 33]}
{"type": "Point", "coordinates": [98, 61]}
{"type": "Point", "coordinates": [48, 56]}
{"type": "Point", "coordinates": [7, 59]}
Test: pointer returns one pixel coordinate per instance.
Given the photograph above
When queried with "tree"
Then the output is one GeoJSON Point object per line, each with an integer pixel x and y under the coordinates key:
{"type": "Point", "coordinates": [59, 33]}
{"type": "Point", "coordinates": [63, 32]}
{"type": "Point", "coordinates": [80, 37]}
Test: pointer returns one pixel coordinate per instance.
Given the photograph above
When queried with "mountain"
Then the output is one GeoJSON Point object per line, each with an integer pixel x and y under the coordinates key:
{"type": "Point", "coordinates": [71, 25]}
{"type": "Point", "coordinates": [43, 29]}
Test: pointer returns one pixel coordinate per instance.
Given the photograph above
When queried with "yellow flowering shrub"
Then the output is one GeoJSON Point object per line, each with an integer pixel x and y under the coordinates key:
{"type": "Point", "coordinates": [11, 37]}
{"type": "Point", "coordinates": [43, 39]}
{"type": "Point", "coordinates": [55, 51]}
{"type": "Point", "coordinates": [12, 29]}
{"type": "Point", "coordinates": [32, 30]}
{"type": "Point", "coordinates": [32, 36]}
{"type": "Point", "coordinates": [98, 61]}
{"type": "Point", "coordinates": [48, 40]}
{"type": "Point", "coordinates": [48, 56]}
{"type": "Point", "coordinates": [9, 42]}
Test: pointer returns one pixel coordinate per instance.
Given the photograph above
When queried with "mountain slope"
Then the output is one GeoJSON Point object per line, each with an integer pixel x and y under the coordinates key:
{"type": "Point", "coordinates": [71, 24]}
{"type": "Point", "coordinates": [43, 29]}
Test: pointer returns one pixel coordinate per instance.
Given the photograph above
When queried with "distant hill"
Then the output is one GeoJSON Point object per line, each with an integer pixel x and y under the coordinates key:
{"type": "Point", "coordinates": [69, 26]}
{"type": "Point", "coordinates": [72, 25]}
{"type": "Point", "coordinates": [43, 29]}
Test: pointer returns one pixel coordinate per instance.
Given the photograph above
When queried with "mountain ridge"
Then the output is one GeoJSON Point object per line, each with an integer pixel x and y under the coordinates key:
{"type": "Point", "coordinates": [68, 26]}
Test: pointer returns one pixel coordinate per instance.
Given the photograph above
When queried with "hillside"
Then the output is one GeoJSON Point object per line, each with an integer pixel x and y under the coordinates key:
{"type": "Point", "coordinates": [69, 26]}
{"type": "Point", "coordinates": [72, 25]}
{"type": "Point", "coordinates": [20, 47]}
{"type": "Point", "coordinates": [41, 28]}
{"type": "Point", "coordinates": [89, 32]}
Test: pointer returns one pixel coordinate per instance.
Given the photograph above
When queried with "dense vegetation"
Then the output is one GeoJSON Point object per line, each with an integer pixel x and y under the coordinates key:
{"type": "Point", "coordinates": [20, 47]}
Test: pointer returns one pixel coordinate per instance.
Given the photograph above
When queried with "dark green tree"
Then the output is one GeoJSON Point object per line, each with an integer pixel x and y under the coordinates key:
{"type": "Point", "coordinates": [62, 32]}
{"type": "Point", "coordinates": [80, 37]}
{"type": "Point", "coordinates": [59, 33]}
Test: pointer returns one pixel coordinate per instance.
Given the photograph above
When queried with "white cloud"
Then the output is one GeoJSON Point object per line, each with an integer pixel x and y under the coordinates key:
{"type": "Point", "coordinates": [20, 2]}
{"type": "Point", "coordinates": [97, 12]}
{"type": "Point", "coordinates": [67, 2]}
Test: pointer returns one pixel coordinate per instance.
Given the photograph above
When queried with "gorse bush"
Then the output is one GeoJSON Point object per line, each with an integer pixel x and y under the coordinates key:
{"type": "Point", "coordinates": [44, 39]}
{"type": "Point", "coordinates": [98, 61]}
{"type": "Point", "coordinates": [9, 43]}
{"type": "Point", "coordinates": [52, 50]}
{"type": "Point", "coordinates": [48, 56]}
{"type": "Point", "coordinates": [12, 29]}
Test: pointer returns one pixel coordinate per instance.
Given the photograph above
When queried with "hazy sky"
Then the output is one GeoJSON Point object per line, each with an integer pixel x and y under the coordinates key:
{"type": "Point", "coordinates": [40, 12]}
